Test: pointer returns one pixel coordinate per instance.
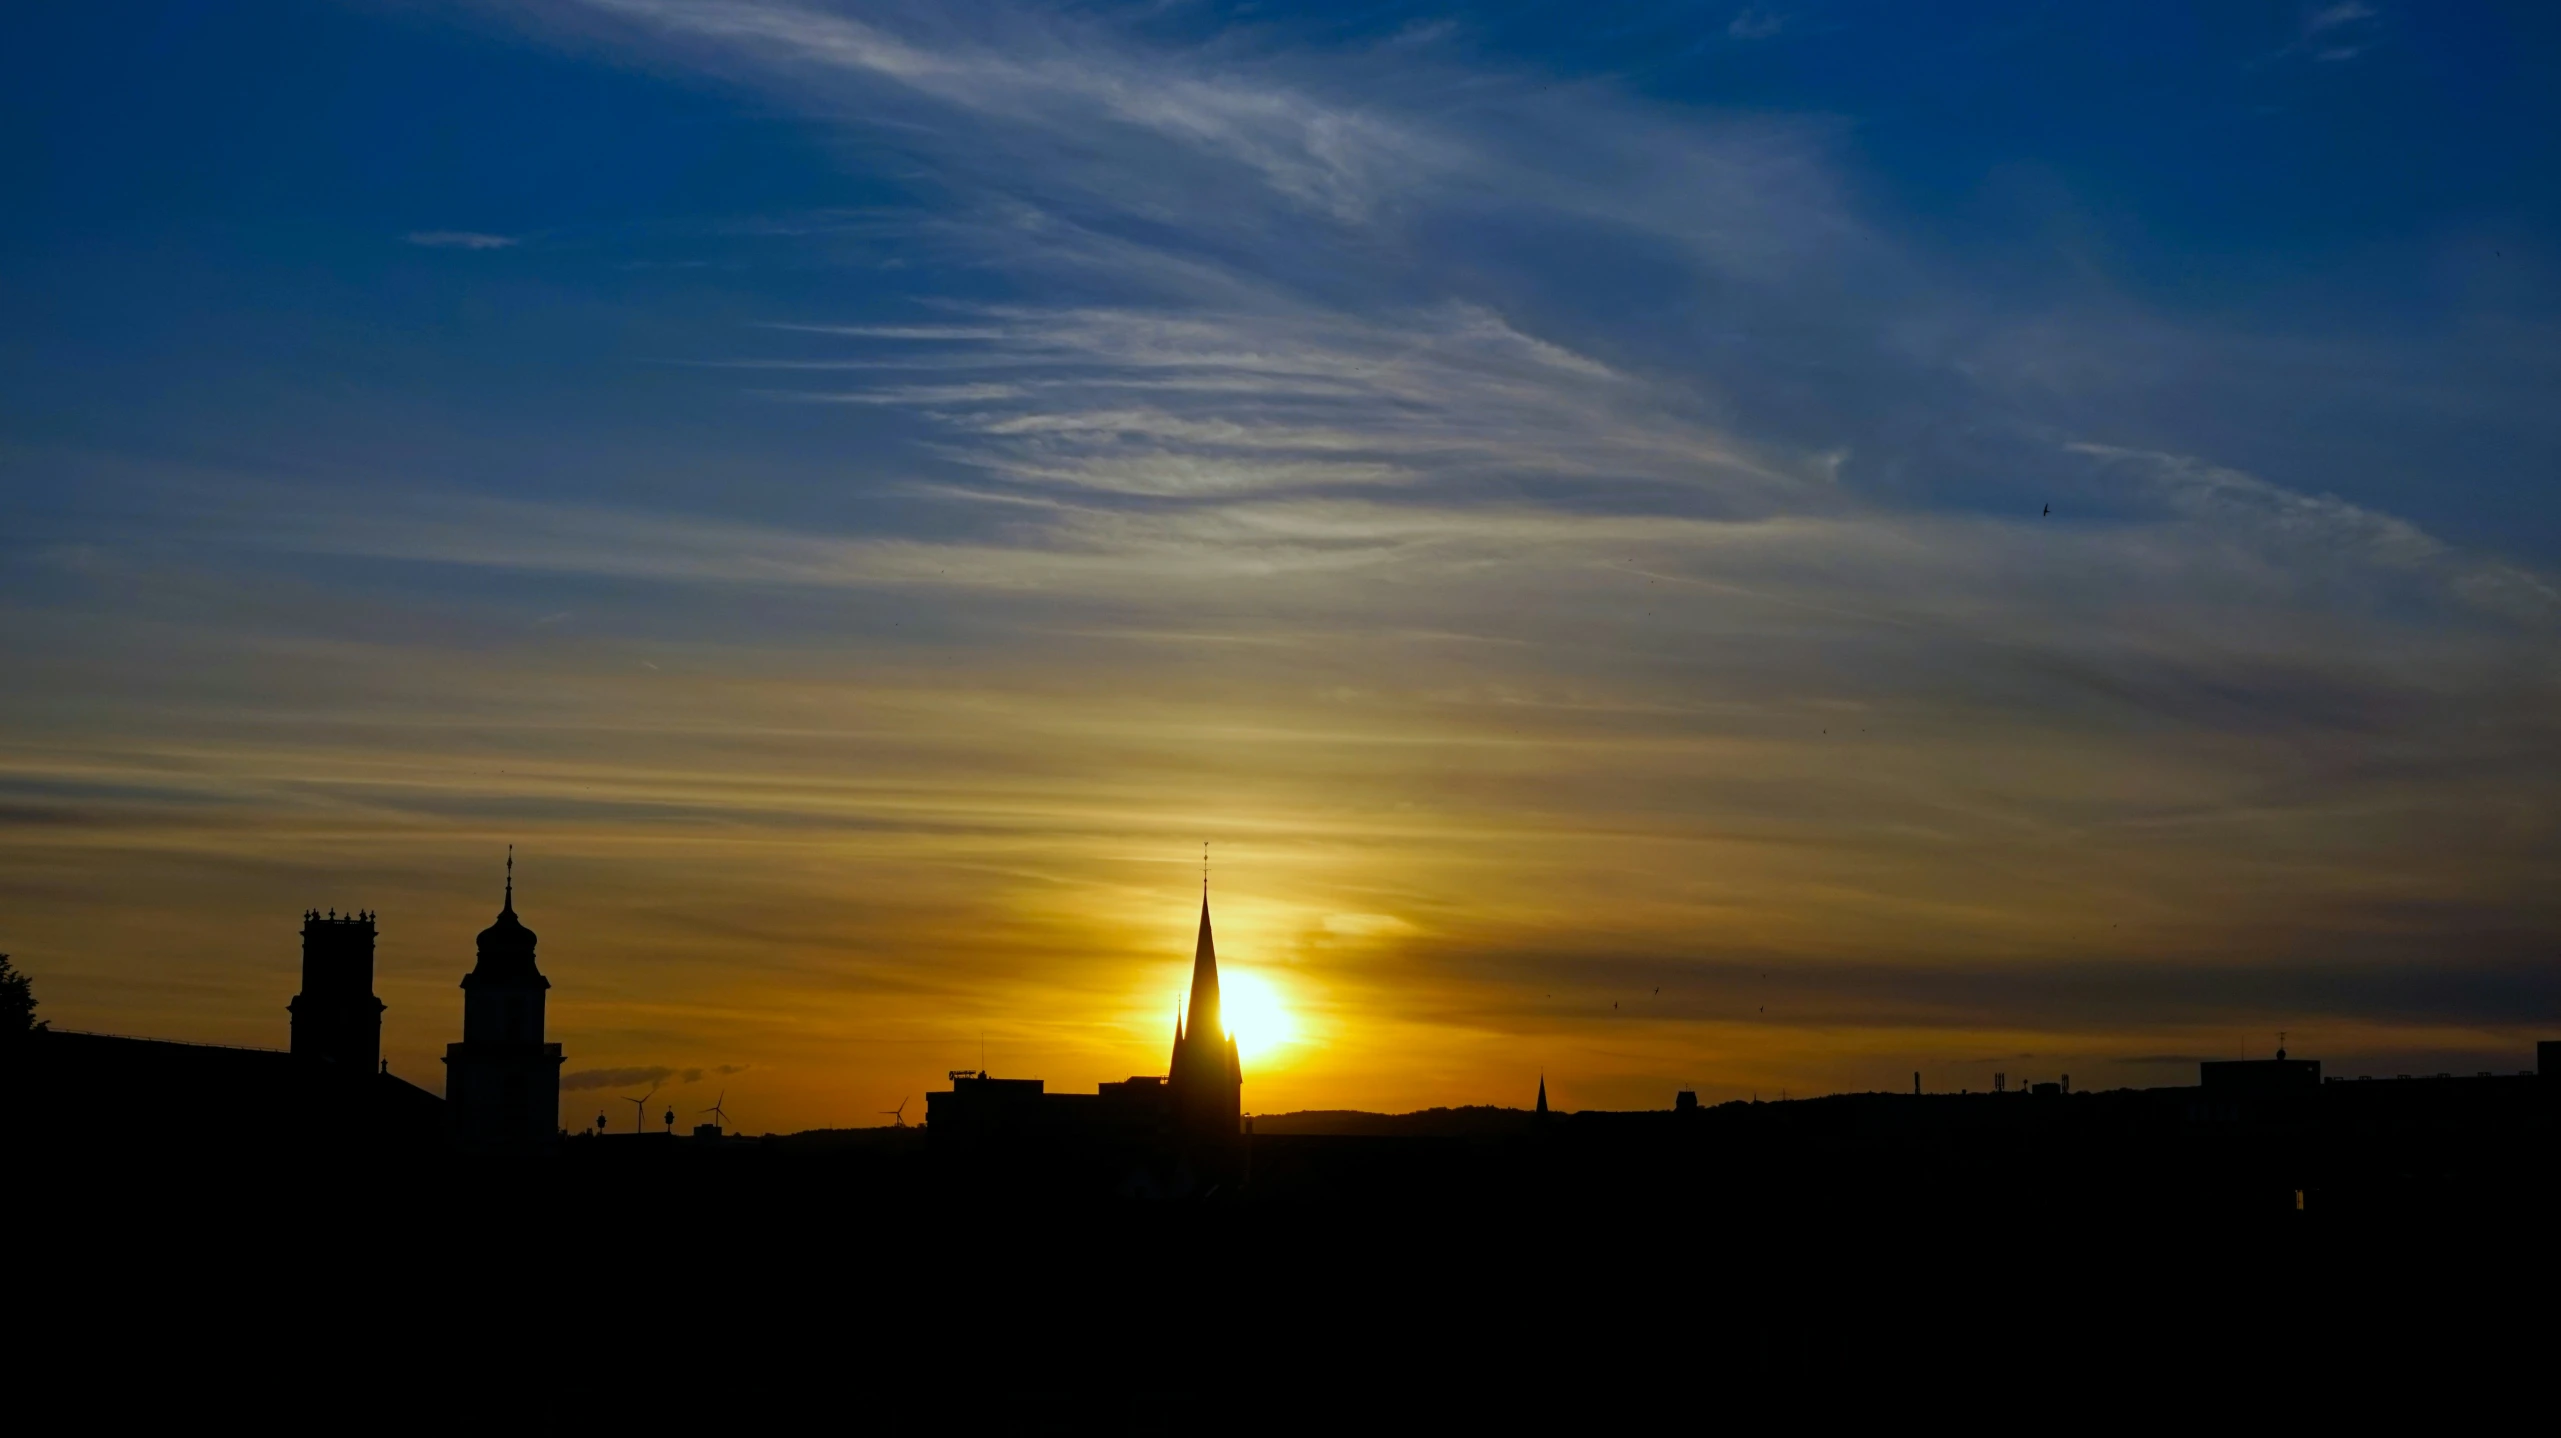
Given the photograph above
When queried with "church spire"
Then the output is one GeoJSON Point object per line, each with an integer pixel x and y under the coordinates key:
{"type": "Point", "coordinates": [1204, 1004]}
{"type": "Point", "coordinates": [1206, 1080]}
{"type": "Point", "coordinates": [1542, 1093]}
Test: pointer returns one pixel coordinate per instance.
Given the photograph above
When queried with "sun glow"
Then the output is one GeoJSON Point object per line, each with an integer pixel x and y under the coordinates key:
{"type": "Point", "coordinates": [1256, 1014]}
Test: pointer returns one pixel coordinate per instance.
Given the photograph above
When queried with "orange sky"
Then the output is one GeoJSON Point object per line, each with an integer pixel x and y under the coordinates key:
{"type": "Point", "coordinates": [1650, 561]}
{"type": "Point", "coordinates": [1470, 812]}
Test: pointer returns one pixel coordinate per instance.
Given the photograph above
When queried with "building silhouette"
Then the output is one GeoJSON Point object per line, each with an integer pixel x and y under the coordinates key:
{"type": "Point", "coordinates": [1206, 1081]}
{"type": "Point", "coordinates": [2279, 1075]}
{"type": "Point", "coordinates": [327, 1097]}
{"type": "Point", "coordinates": [336, 1018]}
{"type": "Point", "coordinates": [1164, 1136]}
{"type": "Point", "coordinates": [502, 1082]}
{"type": "Point", "coordinates": [2250, 1139]}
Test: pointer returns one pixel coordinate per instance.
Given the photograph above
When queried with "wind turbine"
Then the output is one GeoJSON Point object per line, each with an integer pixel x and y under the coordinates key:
{"type": "Point", "coordinates": [714, 1110]}
{"type": "Point", "coordinates": [640, 1110]}
{"type": "Point", "coordinates": [898, 1115]}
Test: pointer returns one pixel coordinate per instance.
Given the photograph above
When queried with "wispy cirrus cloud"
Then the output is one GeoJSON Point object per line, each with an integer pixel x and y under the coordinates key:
{"type": "Point", "coordinates": [2335, 32]}
{"type": "Point", "coordinates": [1755, 22]}
{"type": "Point", "coordinates": [1029, 72]}
{"type": "Point", "coordinates": [1197, 403]}
{"type": "Point", "coordinates": [581, 1079]}
{"type": "Point", "coordinates": [2312, 532]}
{"type": "Point", "coordinates": [461, 240]}
{"type": "Point", "coordinates": [1555, 537]}
{"type": "Point", "coordinates": [1240, 147]}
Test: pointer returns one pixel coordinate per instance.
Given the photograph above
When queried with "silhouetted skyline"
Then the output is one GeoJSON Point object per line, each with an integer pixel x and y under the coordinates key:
{"type": "Point", "coordinates": [2252, 1141]}
{"type": "Point", "coordinates": [1727, 551]}
{"type": "Point", "coordinates": [1876, 690]}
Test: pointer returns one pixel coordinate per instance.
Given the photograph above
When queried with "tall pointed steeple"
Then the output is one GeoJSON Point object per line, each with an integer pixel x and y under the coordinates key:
{"type": "Point", "coordinates": [1542, 1093]}
{"type": "Point", "coordinates": [1207, 1081]}
{"type": "Point", "coordinates": [1203, 1017]}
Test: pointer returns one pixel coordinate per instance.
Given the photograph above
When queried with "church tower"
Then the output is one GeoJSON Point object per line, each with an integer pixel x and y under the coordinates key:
{"type": "Point", "coordinates": [502, 1082]}
{"type": "Point", "coordinates": [1207, 1083]}
{"type": "Point", "coordinates": [337, 1020]}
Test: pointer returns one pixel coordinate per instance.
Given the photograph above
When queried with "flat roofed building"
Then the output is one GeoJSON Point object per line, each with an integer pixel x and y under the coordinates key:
{"type": "Point", "coordinates": [2279, 1075]}
{"type": "Point", "coordinates": [1185, 1128]}
{"type": "Point", "coordinates": [336, 1018]}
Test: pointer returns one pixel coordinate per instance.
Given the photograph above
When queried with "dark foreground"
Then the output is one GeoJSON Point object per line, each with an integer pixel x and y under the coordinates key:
{"type": "Point", "coordinates": [1944, 1258]}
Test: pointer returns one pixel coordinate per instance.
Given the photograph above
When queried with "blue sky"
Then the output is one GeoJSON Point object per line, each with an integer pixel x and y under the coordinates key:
{"type": "Point", "coordinates": [1475, 441]}
{"type": "Point", "coordinates": [2310, 242]}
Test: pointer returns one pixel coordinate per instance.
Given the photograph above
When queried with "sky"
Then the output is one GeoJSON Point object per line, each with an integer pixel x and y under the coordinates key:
{"type": "Point", "coordinates": [1762, 549]}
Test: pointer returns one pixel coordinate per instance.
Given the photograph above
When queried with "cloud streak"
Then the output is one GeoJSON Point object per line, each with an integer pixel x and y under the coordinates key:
{"type": "Point", "coordinates": [461, 240]}
{"type": "Point", "coordinates": [579, 1080]}
{"type": "Point", "coordinates": [1560, 545]}
{"type": "Point", "coordinates": [1031, 72]}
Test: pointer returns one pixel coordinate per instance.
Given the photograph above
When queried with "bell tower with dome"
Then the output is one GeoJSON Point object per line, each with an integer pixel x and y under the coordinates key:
{"type": "Point", "coordinates": [502, 1082]}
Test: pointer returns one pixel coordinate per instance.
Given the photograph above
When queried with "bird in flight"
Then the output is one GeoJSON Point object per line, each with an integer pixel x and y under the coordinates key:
{"type": "Point", "coordinates": [2049, 509]}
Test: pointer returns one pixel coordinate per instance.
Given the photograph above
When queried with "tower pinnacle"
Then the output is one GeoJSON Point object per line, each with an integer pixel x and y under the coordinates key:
{"type": "Point", "coordinates": [1206, 1079]}
{"type": "Point", "coordinates": [502, 1082]}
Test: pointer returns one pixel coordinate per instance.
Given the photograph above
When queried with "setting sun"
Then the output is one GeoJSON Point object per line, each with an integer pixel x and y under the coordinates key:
{"type": "Point", "coordinates": [1255, 1014]}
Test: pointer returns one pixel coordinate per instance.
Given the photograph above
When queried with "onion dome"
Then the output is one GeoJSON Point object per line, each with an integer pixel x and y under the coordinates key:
{"type": "Point", "coordinates": [507, 946]}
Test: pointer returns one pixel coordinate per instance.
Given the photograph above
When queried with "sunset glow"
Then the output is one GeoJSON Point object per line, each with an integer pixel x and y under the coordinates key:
{"type": "Point", "coordinates": [1256, 1014]}
{"type": "Point", "coordinates": [1648, 559]}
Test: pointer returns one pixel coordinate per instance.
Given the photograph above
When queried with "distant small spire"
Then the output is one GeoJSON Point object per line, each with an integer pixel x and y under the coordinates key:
{"type": "Point", "coordinates": [1542, 1093]}
{"type": "Point", "coordinates": [511, 878]}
